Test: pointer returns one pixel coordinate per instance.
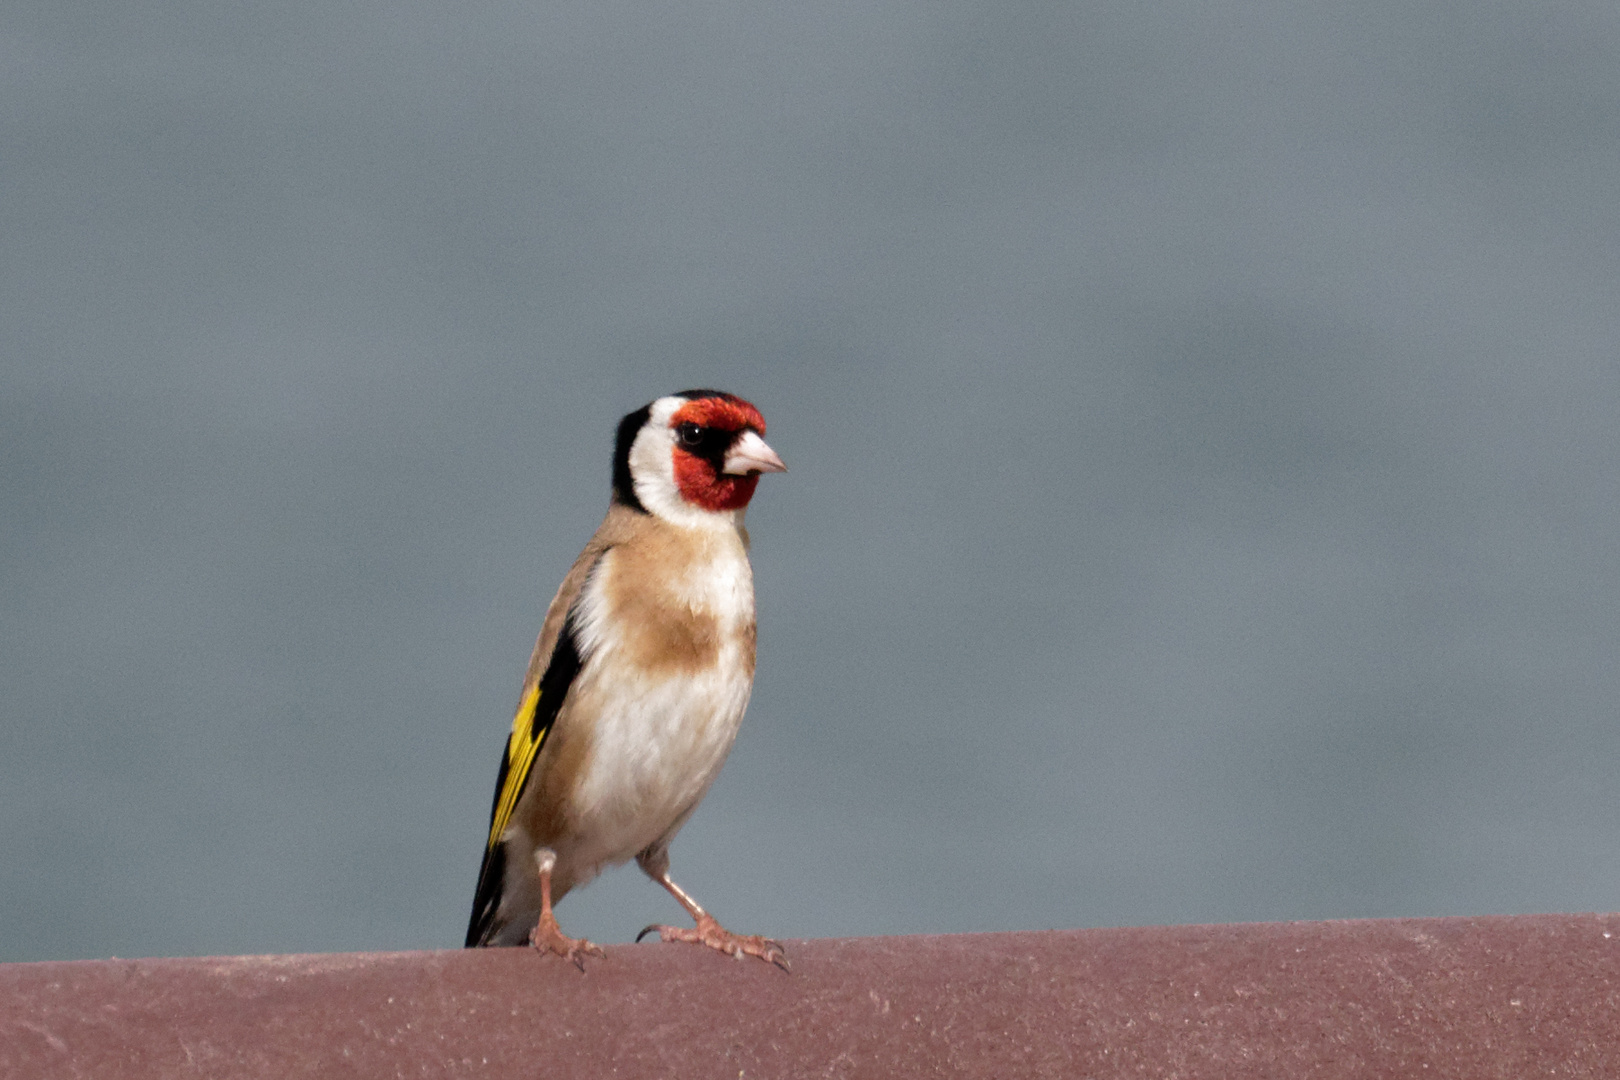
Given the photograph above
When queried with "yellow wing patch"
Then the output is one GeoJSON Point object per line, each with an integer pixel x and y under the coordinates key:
{"type": "Point", "coordinates": [521, 749]}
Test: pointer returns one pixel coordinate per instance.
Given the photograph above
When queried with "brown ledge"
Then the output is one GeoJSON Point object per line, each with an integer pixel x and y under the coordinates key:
{"type": "Point", "coordinates": [1508, 997]}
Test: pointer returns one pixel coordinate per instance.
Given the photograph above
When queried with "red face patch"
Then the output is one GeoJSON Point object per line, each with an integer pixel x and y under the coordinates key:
{"type": "Point", "coordinates": [704, 485]}
{"type": "Point", "coordinates": [698, 475]}
{"type": "Point", "coordinates": [727, 414]}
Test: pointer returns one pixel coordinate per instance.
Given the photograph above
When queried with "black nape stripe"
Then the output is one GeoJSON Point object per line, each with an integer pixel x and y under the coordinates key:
{"type": "Point", "coordinates": [624, 486]}
{"type": "Point", "coordinates": [694, 395]}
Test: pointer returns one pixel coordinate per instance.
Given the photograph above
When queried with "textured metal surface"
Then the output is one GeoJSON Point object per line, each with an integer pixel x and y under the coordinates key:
{"type": "Point", "coordinates": [1490, 997]}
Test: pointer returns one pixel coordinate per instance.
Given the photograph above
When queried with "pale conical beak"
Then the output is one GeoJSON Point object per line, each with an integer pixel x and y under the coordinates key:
{"type": "Point", "coordinates": [750, 454]}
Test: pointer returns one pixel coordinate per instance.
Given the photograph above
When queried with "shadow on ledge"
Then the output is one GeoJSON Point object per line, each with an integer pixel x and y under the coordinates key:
{"type": "Point", "coordinates": [1507, 997]}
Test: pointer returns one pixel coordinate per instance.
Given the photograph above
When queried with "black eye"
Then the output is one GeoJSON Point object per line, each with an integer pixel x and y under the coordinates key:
{"type": "Point", "coordinates": [690, 434]}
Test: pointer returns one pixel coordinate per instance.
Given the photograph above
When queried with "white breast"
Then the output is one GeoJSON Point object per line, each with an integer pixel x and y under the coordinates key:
{"type": "Point", "coordinates": [658, 739]}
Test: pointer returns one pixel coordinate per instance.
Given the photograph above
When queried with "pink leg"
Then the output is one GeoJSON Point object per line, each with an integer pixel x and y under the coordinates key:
{"type": "Point", "coordinates": [707, 931]}
{"type": "Point", "coordinates": [546, 936]}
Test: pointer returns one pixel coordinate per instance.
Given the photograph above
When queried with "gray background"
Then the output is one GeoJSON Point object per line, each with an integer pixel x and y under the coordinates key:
{"type": "Point", "coordinates": [1202, 419]}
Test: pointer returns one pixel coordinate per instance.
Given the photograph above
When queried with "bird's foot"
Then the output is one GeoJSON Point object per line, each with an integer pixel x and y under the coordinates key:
{"type": "Point", "coordinates": [711, 933]}
{"type": "Point", "coordinates": [546, 937]}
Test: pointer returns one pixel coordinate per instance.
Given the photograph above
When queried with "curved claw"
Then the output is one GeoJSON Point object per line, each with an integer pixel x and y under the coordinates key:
{"type": "Point", "coordinates": [545, 937]}
{"type": "Point", "coordinates": [578, 953]}
{"type": "Point", "coordinates": [711, 933]}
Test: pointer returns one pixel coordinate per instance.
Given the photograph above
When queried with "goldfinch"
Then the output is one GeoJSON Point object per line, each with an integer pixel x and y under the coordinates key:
{"type": "Point", "coordinates": [638, 681]}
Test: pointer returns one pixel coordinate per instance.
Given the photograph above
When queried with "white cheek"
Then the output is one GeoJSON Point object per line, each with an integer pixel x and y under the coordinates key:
{"type": "Point", "coordinates": [652, 465]}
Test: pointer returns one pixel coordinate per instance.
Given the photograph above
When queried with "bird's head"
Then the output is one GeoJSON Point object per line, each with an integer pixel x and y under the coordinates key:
{"type": "Point", "coordinates": [692, 455]}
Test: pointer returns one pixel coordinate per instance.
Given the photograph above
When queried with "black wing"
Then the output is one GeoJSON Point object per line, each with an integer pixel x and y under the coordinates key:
{"type": "Point", "coordinates": [536, 713]}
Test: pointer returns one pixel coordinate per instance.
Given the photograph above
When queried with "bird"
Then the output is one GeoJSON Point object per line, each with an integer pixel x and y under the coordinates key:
{"type": "Point", "coordinates": [637, 684]}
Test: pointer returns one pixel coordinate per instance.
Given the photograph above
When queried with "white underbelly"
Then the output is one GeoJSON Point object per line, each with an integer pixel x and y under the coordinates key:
{"type": "Point", "coordinates": [655, 750]}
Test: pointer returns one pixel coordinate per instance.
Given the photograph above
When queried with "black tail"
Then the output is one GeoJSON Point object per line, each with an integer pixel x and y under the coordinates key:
{"type": "Point", "coordinates": [481, 924]}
